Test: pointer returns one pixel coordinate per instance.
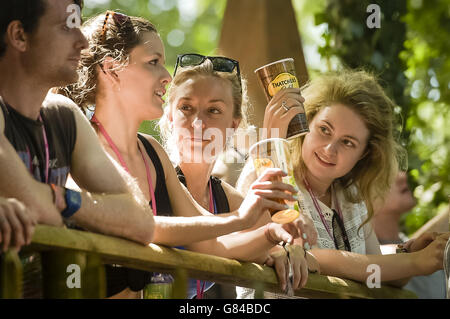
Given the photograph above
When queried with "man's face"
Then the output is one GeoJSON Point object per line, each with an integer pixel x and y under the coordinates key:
{"type": "Point", "coordinates": [53, 49]}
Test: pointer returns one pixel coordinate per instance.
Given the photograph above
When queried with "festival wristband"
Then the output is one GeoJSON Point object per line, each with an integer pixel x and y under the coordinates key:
{"type": "Point", "coordinates": [73, 203]}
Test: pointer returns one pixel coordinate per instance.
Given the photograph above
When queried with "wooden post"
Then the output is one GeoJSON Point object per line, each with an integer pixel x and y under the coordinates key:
{"type": "Point", "coordinates": [257, 32]}
{"type": "Point", "coordinates": [11, 274]}
{"type": "Point", "coordinates": [93, 280]}
{"type": "Point", "coordinates": [62, 273]}
{"type": "Point", "coordinates": [180, 284]}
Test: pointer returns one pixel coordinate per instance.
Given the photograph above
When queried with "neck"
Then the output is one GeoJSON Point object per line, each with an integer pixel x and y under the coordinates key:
{"type": "Point", "coordinates": [319, 187]}
{"type": "Point", "coordinates": [23, 92]}
{"type": "Point", "coordinates": [119, 123]}
{"type": "Point", "coordinates": [197, 178]}
{"type": "Point", "coordinates": [386, 226]}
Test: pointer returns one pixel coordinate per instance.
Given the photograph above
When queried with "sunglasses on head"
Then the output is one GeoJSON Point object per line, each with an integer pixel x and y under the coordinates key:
{"type": "Point", "coordinates": [118, 18]}
{"type": "Point", "coordinates": [220, 63]}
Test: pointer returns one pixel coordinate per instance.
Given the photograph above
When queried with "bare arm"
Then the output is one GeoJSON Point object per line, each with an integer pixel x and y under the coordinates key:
{"type": "Point", "coordinates": [16, 182]}
{"type": "Point", "coordinates": [194, 223]}
{"type": "Point", "coordinates": [393, 268]}
{"type": "Point", "coordinates": [111, 205]}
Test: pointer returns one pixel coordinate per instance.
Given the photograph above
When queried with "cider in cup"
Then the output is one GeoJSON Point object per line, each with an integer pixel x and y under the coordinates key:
{"type": "Point", "coordinates": [274, 153]}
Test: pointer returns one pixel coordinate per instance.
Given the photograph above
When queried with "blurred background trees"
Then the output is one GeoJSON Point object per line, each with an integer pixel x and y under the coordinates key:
{"type": "Point", "coordinates": [410, 54]}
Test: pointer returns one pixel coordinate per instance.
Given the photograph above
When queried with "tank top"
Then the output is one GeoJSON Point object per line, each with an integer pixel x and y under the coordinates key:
{"type": "Point", "coordinates": [26, 136]}
{"type": "Point", "coordinates": [119, 278]}
{"type": "Point", "coordinates": [221, 206]}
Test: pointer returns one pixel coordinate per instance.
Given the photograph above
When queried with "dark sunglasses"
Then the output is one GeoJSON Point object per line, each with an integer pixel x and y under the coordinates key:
{"type": "Point", "coordinates": [220, 63]}
{"type": "Point", "coordinates": [118, 18]}
{"type": "Point", "coordinates": [340, 237]}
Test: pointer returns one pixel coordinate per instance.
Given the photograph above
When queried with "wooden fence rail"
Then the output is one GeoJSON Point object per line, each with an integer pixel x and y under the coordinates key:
{"type": "Point", "coordinates": [60, 247]}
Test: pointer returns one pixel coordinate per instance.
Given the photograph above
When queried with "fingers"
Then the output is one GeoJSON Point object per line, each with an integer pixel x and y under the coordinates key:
{"type": "Point", "coordinates": [16, 224]}
{"type": "Point", "coordinates": [300, 266]}
{"type": "Point", "coordinates": [275, 185]}
{"type": "Point", "coordinates": [17, 230]}
{"type": "Point", "coordinates": [271, 174]}
{"type": "Point", "coordinates": [281, 270]}
{"type": "Point", "coordinates": [290, 93]}
{"type": "Point", "coordinates": [306, 228]}
{"type": "Point", "coordinates": [279, 233]}
{"type": "Point", "coordinates": [272, 205]}
{"type": "Point", "coordinates": [5, 229]}
{"type": "Point", "coordinates": [26, 219]}
{"type": "Point", "coordinates": [275, 194]}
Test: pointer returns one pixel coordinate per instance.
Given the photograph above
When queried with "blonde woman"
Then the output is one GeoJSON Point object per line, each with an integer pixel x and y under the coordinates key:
{"type": "Point", "coordinates": [206, 104]}
{"type": "Point", "coordinates": [347, 160]}
{"type": "Point", "coordinates": [123, 78]}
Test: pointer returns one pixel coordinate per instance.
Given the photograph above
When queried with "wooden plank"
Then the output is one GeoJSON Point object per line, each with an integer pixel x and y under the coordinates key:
{"type": "Point", "coordinates": [11, 275]}
{"type": "Point", "coordinates": [201, 266]}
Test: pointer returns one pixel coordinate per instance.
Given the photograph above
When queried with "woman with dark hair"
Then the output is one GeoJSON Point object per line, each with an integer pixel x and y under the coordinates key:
{"type": "Point", "coordinates": [123, 78]}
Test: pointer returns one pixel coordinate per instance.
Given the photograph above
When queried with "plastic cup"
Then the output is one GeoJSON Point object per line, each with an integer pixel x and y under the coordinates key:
{"type": "Point", "coordinates": [274, 153]}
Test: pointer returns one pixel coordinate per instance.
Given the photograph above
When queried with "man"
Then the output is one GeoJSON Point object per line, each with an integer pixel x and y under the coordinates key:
{"type": "Point", "coordinates": [399, 201]}
{"type": "Point", "coordinates": [38, 51]}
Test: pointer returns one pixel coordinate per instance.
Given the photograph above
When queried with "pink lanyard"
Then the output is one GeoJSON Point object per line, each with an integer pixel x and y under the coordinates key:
{"type": "Point", "coordinates": [122, 162]}
{"type": "Point", "coordinates": [47, 153]}
{"type": "Point", "coordinates": [319, 210]}
{"type": "Point", "coordinates": [211, 210]}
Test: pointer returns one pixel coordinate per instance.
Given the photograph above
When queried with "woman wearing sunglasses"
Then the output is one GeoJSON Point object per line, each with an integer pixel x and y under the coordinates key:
{"type": "Point", "coordinates": [206, 104]}
{"type": "Point", "coordinates": [122, 75]}
{"type": "Point", "coordinates": [347, 160]}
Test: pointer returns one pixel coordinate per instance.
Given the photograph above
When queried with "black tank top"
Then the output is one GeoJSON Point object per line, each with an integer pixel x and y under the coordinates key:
{"type": "Point", "coordinates": [119, 278]}
{"type": "Point", "coordinates": [26, 136]}
{"type": "Point", "coordinates": [220, 198]}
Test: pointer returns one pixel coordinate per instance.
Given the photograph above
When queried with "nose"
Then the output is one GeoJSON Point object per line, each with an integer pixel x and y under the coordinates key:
{"type": "Point", "coordinates": [198, 124]}
{"type": "Point", "coordinates": [166, 77]}
{"type": "Point", "coordinates": [330, 149]}
{"type": "Point", "coordinates": [82, 42]}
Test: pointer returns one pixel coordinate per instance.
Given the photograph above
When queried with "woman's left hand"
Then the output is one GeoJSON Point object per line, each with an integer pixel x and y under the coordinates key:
{"type": "Point", "coordinates": [420, 242]}
{"type": "Point", "coordinates": [281, 109]}
{"type": "Point", "coordinates": [279, 260]}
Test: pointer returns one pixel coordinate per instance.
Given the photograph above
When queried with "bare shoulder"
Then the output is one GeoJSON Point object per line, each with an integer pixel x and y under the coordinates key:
{"type": "Point", "coordinates": [163, 157]}
{"type": "Point", "coordinates": [234, 197]}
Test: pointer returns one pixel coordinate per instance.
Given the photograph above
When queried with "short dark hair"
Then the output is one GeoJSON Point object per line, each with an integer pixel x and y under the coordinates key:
{"type": "Point", "coordinates": [28, 12]}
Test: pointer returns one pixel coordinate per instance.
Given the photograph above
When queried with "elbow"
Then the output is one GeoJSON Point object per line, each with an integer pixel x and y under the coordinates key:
{"type": "Point", "coordinates": [147, 231]}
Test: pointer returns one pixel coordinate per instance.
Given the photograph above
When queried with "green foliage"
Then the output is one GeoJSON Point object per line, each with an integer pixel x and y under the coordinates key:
{"type": "Point", "coordinates": [184, 26]}
{"type": "Point", "coordinates": [410, 54]}
{"type": "Point", "coordinates": [426, 53]}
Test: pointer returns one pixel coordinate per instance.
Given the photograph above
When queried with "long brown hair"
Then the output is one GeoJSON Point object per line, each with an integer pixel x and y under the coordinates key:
{"type": "Point", "coordinates": [116, 42]}
{"type": "Point", "coordinates": [360, 91]}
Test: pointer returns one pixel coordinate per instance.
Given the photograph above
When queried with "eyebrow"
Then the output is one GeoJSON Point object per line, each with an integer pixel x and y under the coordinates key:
{"type": "Point", "coordinates": [348, 136]}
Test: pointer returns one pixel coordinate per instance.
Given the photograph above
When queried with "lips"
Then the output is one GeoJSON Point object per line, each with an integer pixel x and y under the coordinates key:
{"type": "Point", "coordinates": [160, 93]}
{"type": "Point", "coordinates": [323, 161]}
{"type": "Point", "coordinates": [76, 58]}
